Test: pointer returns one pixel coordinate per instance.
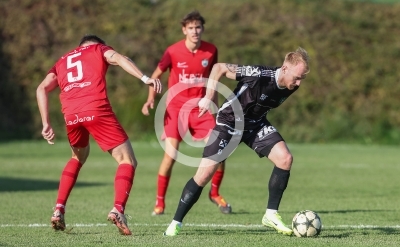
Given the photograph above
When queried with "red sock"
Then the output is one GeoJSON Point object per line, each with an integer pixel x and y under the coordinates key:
{"type": "Point", "coordinates": [122, 185]}
{"type": "Point", "coordinates": [216, 183]}
{"type": "Point", "coordinates": [162, 186]}
{"type": "Point", "coordinates": [67, 182]}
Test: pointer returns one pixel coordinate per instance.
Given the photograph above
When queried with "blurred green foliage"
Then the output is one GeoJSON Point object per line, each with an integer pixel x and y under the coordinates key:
{"type": "Point", "coordinates": [351, 94]}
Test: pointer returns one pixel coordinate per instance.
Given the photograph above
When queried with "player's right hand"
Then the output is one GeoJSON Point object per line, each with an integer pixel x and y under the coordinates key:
{"type": "Point", "coordinates": [48, 134]}
{"type": "Point", "coordinates": [156, 84]}
{"type": "Point", "coordinates": [204, 106]}
{"type": "Point", "coordinates": [145, 108]}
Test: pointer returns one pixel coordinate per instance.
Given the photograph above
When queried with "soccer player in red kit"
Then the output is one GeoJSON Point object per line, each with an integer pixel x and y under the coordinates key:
{"type": "Point", "coordinates": [80, 75]}
{"type": "Point", "coordinates": [189, 62]}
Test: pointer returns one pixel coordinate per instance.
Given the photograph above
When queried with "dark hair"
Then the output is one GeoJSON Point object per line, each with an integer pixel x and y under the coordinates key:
{"type": "Point", "coordinates": [193, 16]}
{"type": "Point", "coordinates": [91, 38]}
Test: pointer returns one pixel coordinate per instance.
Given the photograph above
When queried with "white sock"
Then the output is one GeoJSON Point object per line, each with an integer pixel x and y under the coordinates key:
{"type": "Point", "coordinates": [271, 211]}
{"type": "Point", "coordinates": [176, 223]}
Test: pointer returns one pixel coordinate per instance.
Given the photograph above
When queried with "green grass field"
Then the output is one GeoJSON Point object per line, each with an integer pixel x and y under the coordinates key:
{"type": "Point", "coordinates": [354, 189]}
{"type": "Point", "coordinates": [378, 1]}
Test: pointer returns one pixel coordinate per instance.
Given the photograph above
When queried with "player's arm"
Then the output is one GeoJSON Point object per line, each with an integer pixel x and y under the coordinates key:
{"type": "Point", "coordinates": [151, 96]}
{"type": "Point", "coordinates": [47, 85]}
{"type": "Point", "coordinates": [216, 104]}
{"type": "Point", "coordinates": [219, 69]}
{"type": "Point", "coordinates": [223, 69]}
{"type": "Point", "coordinates": [129, 66]}
{"type": "Point", "coordinates": [215, 99]}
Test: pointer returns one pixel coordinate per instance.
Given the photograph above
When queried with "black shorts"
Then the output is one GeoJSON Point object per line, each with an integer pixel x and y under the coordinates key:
{"type": "Point", "coordinates": [223, 141]}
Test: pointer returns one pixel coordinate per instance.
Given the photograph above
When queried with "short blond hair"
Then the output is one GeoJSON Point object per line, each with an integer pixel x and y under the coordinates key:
{"type": "Point", "coordinates": [295, 57]}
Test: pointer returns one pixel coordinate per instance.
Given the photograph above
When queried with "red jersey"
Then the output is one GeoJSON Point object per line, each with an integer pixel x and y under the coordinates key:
{"type": "Point", "coordinates": [187, 69]}
{"type": "Point", "coordinates": [81, 75]}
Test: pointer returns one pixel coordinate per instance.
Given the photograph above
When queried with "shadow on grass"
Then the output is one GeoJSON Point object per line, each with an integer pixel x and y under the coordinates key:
{"type": "Point", "coordinates": [241, 212]}
{"type": "Point", "coordinates": [345, 233]}
{"type": "Point", "coordinates": [8, 184]}
{"type": "Point", "coordinates": [352, 211]}
{"type": "Point", "coordinates": [225, 231]}
{"type": "Point", "coordinates": [340, 235]}
{"type": "Point", "coordinates": [387, 231]}
{"type": "Point", "coordinates": [222, 231]}
{"type": "Point", "coordinates": [77, 231]}
{"type": "Point", "coordinates": [328, 233]}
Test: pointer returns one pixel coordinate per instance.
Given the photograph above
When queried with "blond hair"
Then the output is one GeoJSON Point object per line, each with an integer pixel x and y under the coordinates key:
{"type": "Point", "coordinates": [295, 57]}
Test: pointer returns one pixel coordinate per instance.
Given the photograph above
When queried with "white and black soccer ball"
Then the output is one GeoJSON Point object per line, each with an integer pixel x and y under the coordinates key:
{"type": "Point", "coordinates": [306, 223]}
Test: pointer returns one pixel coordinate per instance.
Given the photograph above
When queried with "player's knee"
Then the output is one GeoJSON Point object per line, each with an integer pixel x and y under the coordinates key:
{"type": "Point", "coordinates": [80, 153]}
{"type": "Point", "coordinates": [132, 161]}
{"type": "Point", "coordinates": [202, 180]}
{"type": "Point", "coordinates": [126, 158]}
{"type": "Point", "coordinates": [221, 166]}
{"type": "Point", "coordinates": [204, 174]}
{"type": "Point", "coordinates": [170, 155]}
{"type": "Point", "coordinates": [81, 158]}
{"type": "Point", "coordinates": [168, 159]}
{"type": "Point", "coordinates": [288, 160]}
{"type": "Point", "coordinates": [82, 161]}
{"type": "Point", "coordinates": [203, 177]}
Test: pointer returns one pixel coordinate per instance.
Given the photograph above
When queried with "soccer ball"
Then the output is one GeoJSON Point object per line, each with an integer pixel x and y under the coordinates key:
{"type": "Point", "coordinates": [306, 223]}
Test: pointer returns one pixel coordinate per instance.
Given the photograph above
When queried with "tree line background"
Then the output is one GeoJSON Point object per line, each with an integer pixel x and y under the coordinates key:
{"type": "Point", "coordinates": [352, 93]}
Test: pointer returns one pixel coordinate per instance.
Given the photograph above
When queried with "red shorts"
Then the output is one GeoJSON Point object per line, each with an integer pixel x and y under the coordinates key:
{"type": "Point", "coordinates": [176, 124]}
{"type": "Point", "coordinates": [102, 125]}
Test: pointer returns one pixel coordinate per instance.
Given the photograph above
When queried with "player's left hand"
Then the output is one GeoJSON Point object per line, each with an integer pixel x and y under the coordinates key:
{"type": "Point", "coordinates": [204, 106]}
{"type": "Point", "coordinates": [156, 84]}
{"type": "Point", "coordinates": [48, 134]}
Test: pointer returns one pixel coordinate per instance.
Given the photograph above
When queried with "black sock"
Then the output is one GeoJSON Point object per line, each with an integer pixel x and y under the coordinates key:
{"type": "Point", "coordinates": [189, 197]}
{"type": "Point", "coordinates": [276, 186]}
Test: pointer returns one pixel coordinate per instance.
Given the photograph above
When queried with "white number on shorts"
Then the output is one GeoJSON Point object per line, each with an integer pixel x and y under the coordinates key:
{"type": "Point", "coordinates": [78, 65]}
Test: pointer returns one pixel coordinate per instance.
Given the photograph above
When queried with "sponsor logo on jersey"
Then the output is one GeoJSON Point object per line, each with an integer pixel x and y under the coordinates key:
{"type": "Point", "coordinates": [263, 97]}
{"type": "Point", "coordinates": [204, 62]}
{"type": "Point", "coordinates": [250, 71]}
{"type": "Point", "coordinates": [190, 78]}
{"type": "Point", "coordinates": [74, 85]}
{"type": "Point", "coordinates": [181, 65]}
{"type": "Point", "coordinates": [266, 131]}
{"type": "Point", "coordinates": [76, 51]}
{"type": "Point", "coordinates": [255, 71]}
